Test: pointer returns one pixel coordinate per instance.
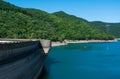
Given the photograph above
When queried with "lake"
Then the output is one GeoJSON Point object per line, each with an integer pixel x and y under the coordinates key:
{"type": "Point", "coordinates": [84, 61]}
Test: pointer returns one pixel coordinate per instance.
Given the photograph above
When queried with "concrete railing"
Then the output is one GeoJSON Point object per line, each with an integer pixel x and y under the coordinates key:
{"type": "Point", "coordinates": [46, 44]}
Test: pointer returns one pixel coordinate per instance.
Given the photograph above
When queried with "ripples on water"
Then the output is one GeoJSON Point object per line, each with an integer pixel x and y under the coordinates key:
{"type": "Point", "coordinates": [84, 61]}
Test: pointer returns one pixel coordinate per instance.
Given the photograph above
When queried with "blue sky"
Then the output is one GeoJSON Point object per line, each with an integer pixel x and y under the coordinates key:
{"type": "Point", "coordinates": [91, 10]}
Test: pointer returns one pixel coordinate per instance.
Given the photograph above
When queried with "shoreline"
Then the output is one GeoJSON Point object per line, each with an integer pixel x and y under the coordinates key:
{"type": "Point", "coordinates": [54, 44]}
{"type": "Point", "coordinates": [65, 42]}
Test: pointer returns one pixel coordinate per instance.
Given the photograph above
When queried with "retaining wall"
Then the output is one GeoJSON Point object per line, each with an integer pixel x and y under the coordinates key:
{"type": "Point", "coordinates": [21, 60]}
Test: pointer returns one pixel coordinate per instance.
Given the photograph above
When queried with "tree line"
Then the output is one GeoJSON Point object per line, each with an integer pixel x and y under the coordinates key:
{"type": "Point", "coordinates": [17, 22]}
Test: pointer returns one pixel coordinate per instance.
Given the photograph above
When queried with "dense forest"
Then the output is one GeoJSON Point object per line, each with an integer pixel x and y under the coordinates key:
{"type": "Point", "coordinates": [112, 28]}
{"type": "Point", "coordinates": [17, 22]}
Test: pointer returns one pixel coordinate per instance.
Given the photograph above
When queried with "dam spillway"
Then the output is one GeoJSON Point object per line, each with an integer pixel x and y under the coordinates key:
{"type": "Point", "coordinates": [22, 59]}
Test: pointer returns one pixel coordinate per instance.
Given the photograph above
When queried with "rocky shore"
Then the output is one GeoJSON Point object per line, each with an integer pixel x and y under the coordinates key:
{"type": "Point", "coordinates": [58, 43]}
{"type": "Point", "coordinates": [65, 42]}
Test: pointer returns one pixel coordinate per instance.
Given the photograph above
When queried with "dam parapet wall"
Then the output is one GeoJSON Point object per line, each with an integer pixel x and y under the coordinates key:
{"type": "Point", "coordinates": [46, 44]}
{"type": "Point", "coordinates": [22, 59]}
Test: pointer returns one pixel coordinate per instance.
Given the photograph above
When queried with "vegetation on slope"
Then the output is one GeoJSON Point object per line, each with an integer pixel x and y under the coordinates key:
{"type": "Point", "coordinates": [79, 28]}
{"type": "Point", "coordinates": [111, 28]}
{"type": "Point", "coordinates": [16, 22]}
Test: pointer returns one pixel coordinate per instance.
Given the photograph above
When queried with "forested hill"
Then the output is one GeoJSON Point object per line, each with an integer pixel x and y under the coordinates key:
{"type": "Point", "coordinates": [81, 28]}
{"type": "Point", "coordinates": [16, 22]}
{"type": "Point", "coordinates": [112, 28]}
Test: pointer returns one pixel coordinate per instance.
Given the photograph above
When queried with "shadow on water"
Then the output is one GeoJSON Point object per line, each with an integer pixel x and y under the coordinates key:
{"type": "Point", "coordinates": [47, 66]}
{"type": "Point", "coordinates": [43, 74]}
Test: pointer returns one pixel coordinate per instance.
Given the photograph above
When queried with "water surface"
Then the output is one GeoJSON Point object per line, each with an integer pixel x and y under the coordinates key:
{"type": "Point", "coordinates": [84, 61]}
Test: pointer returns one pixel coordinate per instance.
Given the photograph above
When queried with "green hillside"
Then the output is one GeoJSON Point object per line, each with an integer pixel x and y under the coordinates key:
{"type": "Point", "coordinates": [26, 23]}
{"type": "Point", "coordinates": [80, 28]}
{"type": "Point", "coordinates": [112, 28]}
{"type": "Point", "coordinates": [16, 22]}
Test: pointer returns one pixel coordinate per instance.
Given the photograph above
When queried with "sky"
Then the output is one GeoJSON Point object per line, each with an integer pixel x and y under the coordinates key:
{"type": "Point", "coordinates": [91, 10]}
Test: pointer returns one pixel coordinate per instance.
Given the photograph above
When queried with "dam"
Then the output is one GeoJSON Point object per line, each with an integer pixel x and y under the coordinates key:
{"type": "Point", "coordinates": [22, 59]}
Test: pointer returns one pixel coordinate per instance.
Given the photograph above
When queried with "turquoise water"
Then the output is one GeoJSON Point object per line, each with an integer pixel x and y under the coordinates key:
{"type": "Point", "coordinates": [84, 61]}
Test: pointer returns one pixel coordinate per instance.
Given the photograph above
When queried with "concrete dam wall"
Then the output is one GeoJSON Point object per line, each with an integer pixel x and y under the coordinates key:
{"type": "Point", "coordinates": [21, 60]}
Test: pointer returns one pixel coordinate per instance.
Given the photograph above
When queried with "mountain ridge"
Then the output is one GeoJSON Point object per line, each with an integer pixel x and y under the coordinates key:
{"type": "Point", "coordinates": [17, 22]}
{"type": "Point", "coordinates": [112, 28]}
